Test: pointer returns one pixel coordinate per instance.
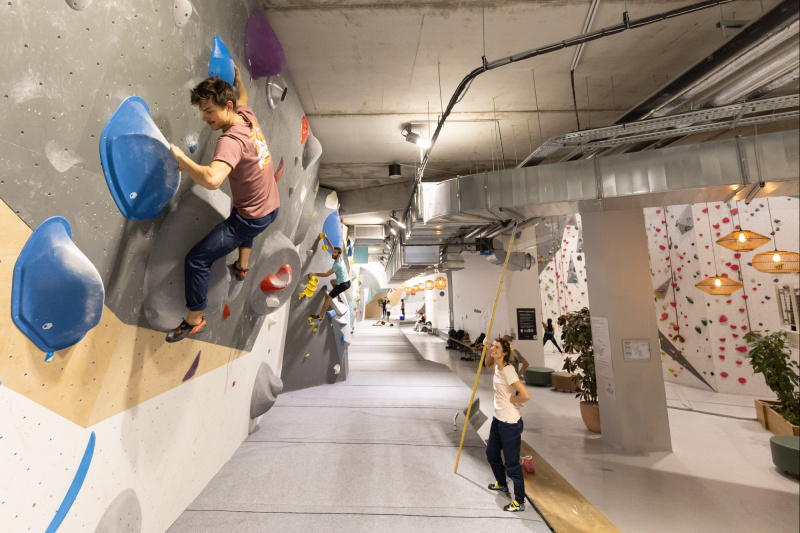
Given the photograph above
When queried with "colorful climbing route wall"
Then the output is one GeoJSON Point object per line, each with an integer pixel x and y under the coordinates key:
{"type": "Point", "coordinates": [562, 267]}
{"type": "Point", "coordinates": [702, 341]}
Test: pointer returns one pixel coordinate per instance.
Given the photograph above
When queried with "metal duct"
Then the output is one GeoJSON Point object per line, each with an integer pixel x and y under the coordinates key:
{"type": "Point", "coordinates": [676, 175]}
{"type": "Point", "coordinates": [517, 261]}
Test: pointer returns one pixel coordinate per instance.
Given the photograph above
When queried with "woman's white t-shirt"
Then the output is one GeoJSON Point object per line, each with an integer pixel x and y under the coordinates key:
{"type": "Point", "coordinates": [504, 410]}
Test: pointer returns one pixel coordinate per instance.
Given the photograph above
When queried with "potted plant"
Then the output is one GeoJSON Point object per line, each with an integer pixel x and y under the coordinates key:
{"type": "Point", "coordinates": [567, 380]}
{"type": "Point", "coordinates": [769, 356]}
{"type": "Point", "coordinates": [576, 334]}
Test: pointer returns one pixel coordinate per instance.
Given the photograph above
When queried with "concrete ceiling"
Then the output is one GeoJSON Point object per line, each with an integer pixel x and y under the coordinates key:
{"type": "Point", "coordinates": [364, 70]}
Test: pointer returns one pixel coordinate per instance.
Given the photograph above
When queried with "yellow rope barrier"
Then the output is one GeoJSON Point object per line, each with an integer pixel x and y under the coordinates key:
{"type": "Point", "coordinates": [486, 341]}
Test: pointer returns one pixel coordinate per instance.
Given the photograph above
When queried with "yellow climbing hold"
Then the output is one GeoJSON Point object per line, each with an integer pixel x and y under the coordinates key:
{"type": "Point", "coordinates": [315, 329]}
{"type": "Point", "coordinates": [308, 354]}
{"type": "Point", "coordinates": [321, 235]}
{"type": "Point", "coordinates": [325, 247]}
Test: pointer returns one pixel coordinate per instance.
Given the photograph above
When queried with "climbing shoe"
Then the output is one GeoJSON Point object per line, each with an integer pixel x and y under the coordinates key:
{"type": "Point", "coordinates": [515, 506]}
{"type": "Point", "coordinates": [184, 330]}
{"type": "Point", "coordinates": [498, 487]}
{"type": "Point", "coordinates": [240, 273]}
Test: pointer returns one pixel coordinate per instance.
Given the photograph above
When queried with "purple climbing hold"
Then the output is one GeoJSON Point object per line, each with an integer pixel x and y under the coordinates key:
{"type": "Point", "coordinates": [263, 52]}
{"type": "Point", "coordinates": [192, 369]}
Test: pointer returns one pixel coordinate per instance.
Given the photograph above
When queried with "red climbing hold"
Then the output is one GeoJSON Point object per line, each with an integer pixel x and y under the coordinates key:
{"type": "Point", "coordinates": [726, 220]}
{"type": "Point", "coordinates": [722, 357]}
{"type": "Point", "coordinates": [304, 131]}
{"type": "Point", "coordinates": [226, 312]}
{"type": "Point", "coordinates": [278, 281]}
{"type": "Point", "coordinates": [724, 374]}
{"type": "Point", "coordinates": [723, 318]}
{"type": "Point", "coordinates": [742, 380]}
{"type": "Point", "coordinates": [742, 349]}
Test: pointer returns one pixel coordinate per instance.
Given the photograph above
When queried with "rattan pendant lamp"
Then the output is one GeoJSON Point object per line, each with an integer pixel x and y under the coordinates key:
{"type": "Point", "coordinates": [776, 261]}
{"type": "Point", "coordinates": [717, 285]}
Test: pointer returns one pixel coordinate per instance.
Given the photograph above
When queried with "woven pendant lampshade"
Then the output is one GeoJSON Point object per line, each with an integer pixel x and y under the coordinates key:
{"type": "Point", "coordinates": [743, 240]}
{"type": "Point", "coordinates": [719, 286]}
{"type": "Point", "coordinates": [429, 285]}
{"type": "Point", "coordinates": [441, 283]}
{"type": "Point", "coordinates": [777, 262]}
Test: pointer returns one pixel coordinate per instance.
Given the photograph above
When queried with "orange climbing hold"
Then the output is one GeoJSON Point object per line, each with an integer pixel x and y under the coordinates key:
{"type": "Point", "coordinates": [278, 281]}
{"type": "Point", "coordinates": [304, 131]}
{"type": "Point", "coordinates": [279, 171]}
{"type": "Point", "coordinates": [226, 312]}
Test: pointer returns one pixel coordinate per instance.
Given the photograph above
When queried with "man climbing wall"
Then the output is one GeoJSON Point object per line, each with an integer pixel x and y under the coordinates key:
{"type": "Point", "coordinates": [342, 277]}
{"type": "Point", "coordinates": [241, 154]}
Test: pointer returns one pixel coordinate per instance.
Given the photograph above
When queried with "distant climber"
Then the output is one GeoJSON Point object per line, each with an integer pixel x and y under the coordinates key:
{"type": "Point", "coordinates": [550, 334]}
{"type": "Point", "coordinates": [402, 307]}
{"type": "Point", "coordinates": [242, 155]}
{"type": "Point", "coordinates": [342, 278]}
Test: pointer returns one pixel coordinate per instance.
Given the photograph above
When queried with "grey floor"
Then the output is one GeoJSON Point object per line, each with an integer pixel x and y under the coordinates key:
{"type": "Point", "coordinates": [374, 453]}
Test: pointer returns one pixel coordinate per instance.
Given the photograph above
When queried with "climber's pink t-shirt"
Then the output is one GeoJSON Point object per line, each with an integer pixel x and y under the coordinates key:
{"type": "Point", "coordinates": [243, 147]}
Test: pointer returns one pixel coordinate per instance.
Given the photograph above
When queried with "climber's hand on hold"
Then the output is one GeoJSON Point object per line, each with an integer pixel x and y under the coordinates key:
{"type": "Point", "coordinates": [179, 156]}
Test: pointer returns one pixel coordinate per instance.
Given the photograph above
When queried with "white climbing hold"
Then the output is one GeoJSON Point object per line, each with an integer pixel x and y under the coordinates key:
{"type": "Point", "coordinates": [309, 252]}
{"type": "Point", "coordinates": [79, 5]}
{"type": "Point", "coordinates": [273, 302]}
{"type": "Point", "coordinates": [337, 369]}
{"type": "Point", "coordinates": [332, 200]}
{"type": "Point", "coordinates": [272, 319]}
{"type": "Point", "coordinates": [181, 11]}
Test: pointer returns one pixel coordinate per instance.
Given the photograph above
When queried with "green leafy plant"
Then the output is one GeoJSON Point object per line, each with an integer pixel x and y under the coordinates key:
{"type": "Point", "coordinates": [769, 356]}
{"type": "Point", "coordinates": [570, 366]}
{"type": "Point", "coordinates": [576, 334]}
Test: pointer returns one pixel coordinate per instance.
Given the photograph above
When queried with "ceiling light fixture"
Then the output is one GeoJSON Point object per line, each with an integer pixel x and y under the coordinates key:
{"type": "Point", "coordinates": [717, 285]}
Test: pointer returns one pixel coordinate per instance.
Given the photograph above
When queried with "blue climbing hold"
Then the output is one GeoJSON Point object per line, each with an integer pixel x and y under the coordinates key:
{"type": "Point", "coordinates": [343, 338]}
{"type": "Point", "coordinates": [49, 357]}
{"type": "Point", "coordinates": [331, 313]}
{"type": "Point", "coordinates": [192, 147]}
{"type": "Point", "coordinates": [74, 488]}
{"type": "Point", "coordinates": [221, 62]}
{"type": "Point", "coordinates": [332, 227]}
{"type": "Point", "coordinates": [137, 162]}
{"type": "Point", "coordinates": [56, 292]}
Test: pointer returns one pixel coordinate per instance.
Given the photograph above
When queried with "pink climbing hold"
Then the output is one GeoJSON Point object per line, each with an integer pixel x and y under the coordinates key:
{"type": "Point", "coordinates": [279, 171]}
{"type": "Point", "coordinates": [278, 281]}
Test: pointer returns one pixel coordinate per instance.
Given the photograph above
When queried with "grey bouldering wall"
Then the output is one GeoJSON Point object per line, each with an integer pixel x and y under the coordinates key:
{"type": "Point", "coordinates": [68, 68]}
{"type": "Point", "coordinates": [310, 356]}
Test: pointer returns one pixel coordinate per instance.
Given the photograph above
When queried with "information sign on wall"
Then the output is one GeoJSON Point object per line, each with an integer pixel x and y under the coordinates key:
{"type": "Point", "coordinates": [526, 324]}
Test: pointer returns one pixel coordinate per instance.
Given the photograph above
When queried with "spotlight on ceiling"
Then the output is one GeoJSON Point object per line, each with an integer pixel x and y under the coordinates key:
{"type": "Point", "coordinates": [394, 219]}
{"type": "Point", "coordinates": [414, 138]}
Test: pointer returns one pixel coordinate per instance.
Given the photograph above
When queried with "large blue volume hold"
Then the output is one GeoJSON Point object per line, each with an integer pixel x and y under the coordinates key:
{"type": "Point", "coordinates": [56, 292]}
{"type": "Point", "coordinates": [139, 168]}
{"type": "Point", "coordinates": [332, 227]}
{"type": "Point", "coordinates": [221, 62]}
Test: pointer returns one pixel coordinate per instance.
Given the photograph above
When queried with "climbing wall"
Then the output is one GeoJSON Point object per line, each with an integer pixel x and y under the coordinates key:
{"type": "Point", "coordinates": [702, 335]}
{"type": "Point", "coordinates": [315, 347]}
{"type": "Point", "coordinates": [103, 428]}
{"type": "Point", "coordinates": [562, 267]}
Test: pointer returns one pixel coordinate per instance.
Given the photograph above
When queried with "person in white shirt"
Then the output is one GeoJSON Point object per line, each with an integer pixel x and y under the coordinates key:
{"type": "Point", "coordinates": [506, 432]}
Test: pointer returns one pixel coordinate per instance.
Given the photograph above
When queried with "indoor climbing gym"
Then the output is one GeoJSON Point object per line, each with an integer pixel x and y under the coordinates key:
{"type": "Point", "coordinates": [335, 266]}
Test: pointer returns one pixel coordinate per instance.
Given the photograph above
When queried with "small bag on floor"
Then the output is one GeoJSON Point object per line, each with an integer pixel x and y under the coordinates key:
{"type": "Point", "coordinates": [527, 464]}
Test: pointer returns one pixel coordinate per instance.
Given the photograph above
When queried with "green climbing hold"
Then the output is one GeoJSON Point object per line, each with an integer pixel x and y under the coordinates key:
{"type": "Point", "coordinates": [689, 300]}
{"type": "Point", "coordinates": [697, 329]}
{"type": "Point", "coordinates": [704, 321]}
{"type": "Point", "coordinates": [695, 256]}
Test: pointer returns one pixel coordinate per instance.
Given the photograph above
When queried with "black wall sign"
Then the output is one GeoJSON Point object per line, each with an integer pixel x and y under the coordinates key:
{"type": "Point", "coordinates": [526, 324]}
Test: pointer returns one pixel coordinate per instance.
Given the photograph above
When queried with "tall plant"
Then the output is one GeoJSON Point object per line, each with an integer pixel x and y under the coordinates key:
{"type": "Point", "coordinates": [770, 357]}
{"type": "Point", "coordinates": [576, 334]}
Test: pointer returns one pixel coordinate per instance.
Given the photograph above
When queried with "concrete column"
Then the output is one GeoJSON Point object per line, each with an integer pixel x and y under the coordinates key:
{"type": "Point", "coordinates": [633, 417]}
{"type": "Point", "coordinates": [522, 290]}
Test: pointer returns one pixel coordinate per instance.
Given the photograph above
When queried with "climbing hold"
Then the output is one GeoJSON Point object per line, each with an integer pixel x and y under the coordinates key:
{"type": "Point", "coordinates": [192, 369]}
{"type": "Point", "coordinates": [78, 5]}
{"type": "Point", "coordinates": [309, 252]}
{"type": "Point", "coordinates": [181, 11]}
{"type": "Point", "coordinates": [226, 312]}
{"type": "Point", "coordinates": [723, 374]}
{"type": "Point", "coordinates": [265, 391]}
{"type": "Point", "coordinates": [192, 147]}
{"type": "Point", "coordinates": [336, 369]}
{"type": "Point", "coordinates": [311, 151]}
{"type": "Point", "coordinates": [49, 356]}
{"type": "Point", "coordinates": [56, 292]}
{"type": "Point", "coordinates": [723, 318]}
{"type": "Point", "coordinates": [315, 329]}
{"type": "Point", "coordinates": [742, 380]}
{"type": "Point", "coordinates": [325, 247]}
{"type": "Point", "coordinates": [278, 281]}
{"type": "Point", "coordinates": [273, 302]}
{"type": "Point", "coordinates": [304, 130]}
{"type": "Point", "coordinates": [75, 486]}
{"type": "Point", "coordinates": [221, 62]}
{"type": "Point", "coordinates": [276, 92]}
{"type": "Point", "coordinates": [123, 515]}
{"type": "Point", "coordinates": [263, 52]}
{"type": "Point", "coordinates": [307, 354]}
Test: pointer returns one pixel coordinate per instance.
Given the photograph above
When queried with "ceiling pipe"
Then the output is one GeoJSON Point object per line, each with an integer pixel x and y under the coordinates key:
{"type": "Point", "coordinates": [747, 82]}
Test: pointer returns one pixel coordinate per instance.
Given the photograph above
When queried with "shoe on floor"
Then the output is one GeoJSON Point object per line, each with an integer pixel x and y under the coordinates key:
{"type": "Point", "coordinates": [240, 273]}
{"type": "Point", "coordinates": [497, 486]}
{"type": "Point", "coordinates": [515, 506]}
{"type": "Point", "coordinates": [185, 329]}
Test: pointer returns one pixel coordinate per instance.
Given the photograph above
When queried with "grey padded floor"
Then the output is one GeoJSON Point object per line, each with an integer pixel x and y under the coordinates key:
{"type": "Point", "coordinates": [374, 453]}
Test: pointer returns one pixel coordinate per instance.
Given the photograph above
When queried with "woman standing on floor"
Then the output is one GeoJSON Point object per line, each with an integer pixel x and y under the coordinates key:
{"type": "Point", "coordinates": [550, 334]}
{"type": "Point", "coordinates": [506, 432]}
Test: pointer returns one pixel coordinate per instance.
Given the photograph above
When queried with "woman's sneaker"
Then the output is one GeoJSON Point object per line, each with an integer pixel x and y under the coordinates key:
{"type": "Point", "coordinates": [185, 329]}
{"type": "Point", "coordinates": [498, 487]}
{"type": "Point", "coordinates": [515, 506]}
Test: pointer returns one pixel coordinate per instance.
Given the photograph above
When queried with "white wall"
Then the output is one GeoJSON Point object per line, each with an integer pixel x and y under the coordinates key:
{"type": "Point", "coordinates": [172, 445]}
{"type": "Point", "coordinates": [474, 293]}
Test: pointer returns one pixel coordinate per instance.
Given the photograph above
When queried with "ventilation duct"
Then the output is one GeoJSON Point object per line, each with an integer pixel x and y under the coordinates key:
{"type": "Point", "coordinates": [368, 235]}
{"type": "Point", "coordinates": [517, 261]}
